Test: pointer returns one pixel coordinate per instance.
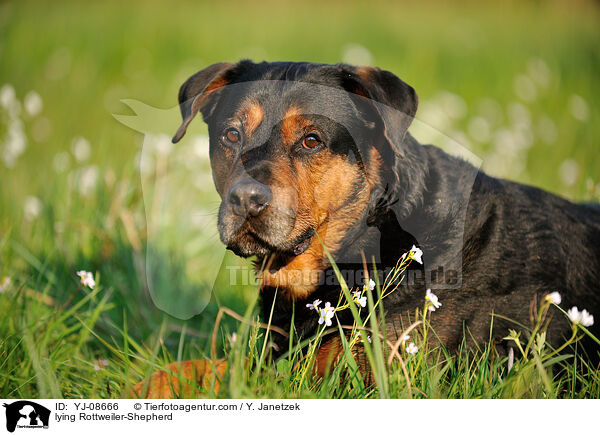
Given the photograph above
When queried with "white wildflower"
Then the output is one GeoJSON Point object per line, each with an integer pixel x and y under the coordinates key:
{"type": "Point", "coordinates": [314, 305]}
{"type": "Point", "coordinates": [359, 300]}
{"type": "Point", "coordinates": [453, 105]}
{"type": "Point", "coordinates": [15, 142]}
{"type": "Point", "coordinates": [100, 363]}
{"type": "Point", "coordinates": [371, 284]}
{"type": "Point", "coordinates": [369, 338]}
{"type": "Point", "coordinates": [7, 96]}
{"type": "Point", "coordinates": [326, 314]}
{"type": "Point", "coordinates": [33, 103]}
{"type": "Point", "coordinates": [87, 279]}
{"type": "Point", "coordinates": [433, 300]}
{"type": "Point", "coordinates": [416, 254]}
{"type": "Point", "coordinates": [88, 178]}
{"type": "Point", "coordinates": [32, 208]}
{"type": "Point", "coordinates": [479, 129]}
{"type": "Point", "coordinates": [580, 317]}
{"type": "Point", "coordinates": [569, 172]}
{"type": "Point", "coordinates": [81, 149]}
{"type": "Point", "coordinates": [586, 319]}
{"type": "Point", "coordinates": [540, 73]}
{"type": "Point", "coordinates": [525, 88]}
{"type": "Point", "coordinates": [574, 315]}
{"type": "Point", "coordinates": [579, 107]}
{"type": "Point", "coordinates": [412, 348]}
{"type": "Point", "coordinates": [4, 283]}
{"type": "Point", "coordinates": [554, 298]}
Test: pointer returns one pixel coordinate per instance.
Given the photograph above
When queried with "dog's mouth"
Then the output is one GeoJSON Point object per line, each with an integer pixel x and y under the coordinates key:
{"type": "Point", "coordinates": [304, 242]}
{"type": "Point", "coordinates": [248, 243]}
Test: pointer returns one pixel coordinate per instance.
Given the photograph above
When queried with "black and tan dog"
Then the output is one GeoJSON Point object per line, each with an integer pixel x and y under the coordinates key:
{"type": "Point", "coordinates": [309, 155]}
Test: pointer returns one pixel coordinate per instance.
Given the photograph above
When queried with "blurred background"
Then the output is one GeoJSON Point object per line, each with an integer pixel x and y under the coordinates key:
{"type": "Point", "coordinates": [517, 84]}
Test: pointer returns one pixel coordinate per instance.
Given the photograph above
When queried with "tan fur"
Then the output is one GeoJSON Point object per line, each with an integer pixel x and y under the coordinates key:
{"type": "Point", "coordinates": [292, 125]}
{"type": "Point", "coordinates": [251, 115]}
{"type": "Point", "coordinates": [165, 384]}
{"type": "Point", "coordinates": [217, 83]}
{"type": "Point", "coordinates": [327, 355]}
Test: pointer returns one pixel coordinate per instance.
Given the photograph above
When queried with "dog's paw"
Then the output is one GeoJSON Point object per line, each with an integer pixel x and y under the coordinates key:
{"type": "Point", "coordinates": [182, 379]}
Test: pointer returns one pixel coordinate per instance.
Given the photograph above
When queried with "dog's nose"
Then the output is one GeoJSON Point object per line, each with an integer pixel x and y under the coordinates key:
{"type": "Point", "coordinates": [249, 198]}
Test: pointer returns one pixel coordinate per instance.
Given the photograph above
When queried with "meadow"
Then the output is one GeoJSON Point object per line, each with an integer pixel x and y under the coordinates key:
{"type": "Point", "coordinates": [515, 85]}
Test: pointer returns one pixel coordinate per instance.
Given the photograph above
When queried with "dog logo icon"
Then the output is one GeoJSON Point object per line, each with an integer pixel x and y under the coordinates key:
{"type": "Point", "coordinates": [26, 414]}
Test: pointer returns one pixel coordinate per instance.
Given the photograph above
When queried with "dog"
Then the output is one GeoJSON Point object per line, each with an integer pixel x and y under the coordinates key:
{"type": "Point", "coordinates": [315, 159]}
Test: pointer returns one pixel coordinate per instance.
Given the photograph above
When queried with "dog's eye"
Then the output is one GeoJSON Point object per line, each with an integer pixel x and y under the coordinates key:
{"type": "Point", "coordinates": [231, 136]}
{"type": "Point", "coordinates": [311, 141]}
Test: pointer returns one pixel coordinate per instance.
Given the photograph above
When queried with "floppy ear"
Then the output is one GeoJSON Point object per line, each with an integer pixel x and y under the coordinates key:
{"type": "Point", "coordinates": [385, 88]}
{"type": "Point", "coordinates": [194, 93]}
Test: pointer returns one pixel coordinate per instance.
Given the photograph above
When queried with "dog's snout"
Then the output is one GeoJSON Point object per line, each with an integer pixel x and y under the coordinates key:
{"type": "Point", "coordinates": [249, 198]}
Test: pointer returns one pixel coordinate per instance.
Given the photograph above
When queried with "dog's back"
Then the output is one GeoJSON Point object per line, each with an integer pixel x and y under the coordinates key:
{"type": "Point", "coordinates": [593, 205]}
{"type": "Point", "coordinates": [521, 243]}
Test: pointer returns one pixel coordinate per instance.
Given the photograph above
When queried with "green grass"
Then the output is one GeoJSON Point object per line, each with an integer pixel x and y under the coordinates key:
{"type": "Point", "coordinates": [93, 55]}
{"type": "Point", "coordinates": [51, 351]}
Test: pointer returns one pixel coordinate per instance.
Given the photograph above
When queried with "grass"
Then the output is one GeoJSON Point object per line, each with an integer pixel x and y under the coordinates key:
{"type": "Point", "coordinates": [60, 213]}
{"type": "Point", "coordinates": [51, 351]}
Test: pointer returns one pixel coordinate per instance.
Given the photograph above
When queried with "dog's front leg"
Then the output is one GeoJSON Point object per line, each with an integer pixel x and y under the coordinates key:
{"type": "Point", "coordinates": [182, 379]}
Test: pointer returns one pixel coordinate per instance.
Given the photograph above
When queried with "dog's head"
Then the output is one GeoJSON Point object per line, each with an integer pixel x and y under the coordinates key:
{"type": "Point", "coordinates": [297, 150]}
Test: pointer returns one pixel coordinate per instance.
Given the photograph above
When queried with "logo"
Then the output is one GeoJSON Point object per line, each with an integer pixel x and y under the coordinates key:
{"type": "Point", "coordinates": [26, 414]}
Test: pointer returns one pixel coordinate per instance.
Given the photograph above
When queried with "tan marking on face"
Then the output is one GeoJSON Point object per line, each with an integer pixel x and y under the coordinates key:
{"type": "Point", "coordinates": [293, 125]}
{"type": "Point", "coordinates": [374, 165]}
{"type": "Point", "coordinates": [327, 202]}
{"type": "Point", "coordinates": [251, 115]}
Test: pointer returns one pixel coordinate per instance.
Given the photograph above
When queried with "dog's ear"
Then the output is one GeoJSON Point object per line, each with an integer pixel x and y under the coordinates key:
{"type": "Point", "coordinates": [194, 93]}
{"type": "Point", "coordinates": [385, 88]}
